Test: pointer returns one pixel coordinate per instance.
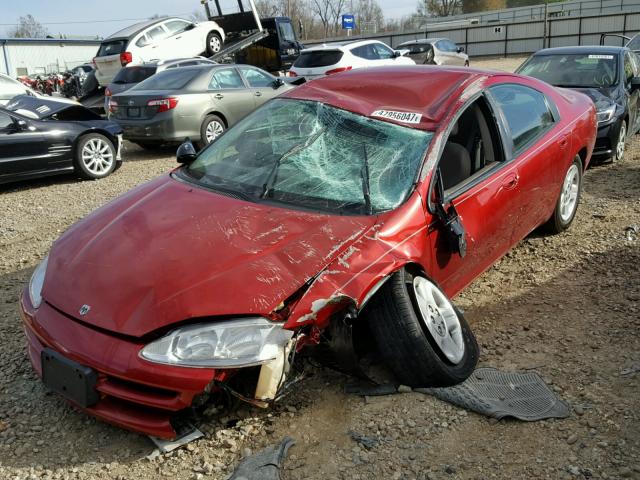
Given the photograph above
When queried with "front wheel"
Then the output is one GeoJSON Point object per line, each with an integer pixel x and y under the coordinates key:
{"type": "Point", "coordinates": [214, 43]}
{"type": "Point", "coordinates": [423, 338]}
{"type": "Point", "coordinates": [618, 155]}
{"type": "Point", "coordinates": [567, 203]}
{"type": "Point", "coordinates": [95, 156]}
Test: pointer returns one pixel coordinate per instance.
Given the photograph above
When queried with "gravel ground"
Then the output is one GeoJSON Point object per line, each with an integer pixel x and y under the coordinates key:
{"type": "Point", "coordinates": [566, 306]}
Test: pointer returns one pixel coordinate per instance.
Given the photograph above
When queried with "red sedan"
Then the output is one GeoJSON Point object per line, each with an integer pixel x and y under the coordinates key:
{"type": "Point", "coordinates": [372, 196]}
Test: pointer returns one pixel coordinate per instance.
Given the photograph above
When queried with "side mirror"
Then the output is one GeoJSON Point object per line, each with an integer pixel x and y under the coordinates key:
{"type": "Point", "coordinates": [397, 53]}
{"type": "Point", "coordinates": [277, 83]}
{"type": "Point", "coordinates": [191, 26]}
{"type": "Point", "coordinates": [460, 49]}
{"type": "Point", "coordinates": [21, 125]}
{"type": "Point", "coordinates": [186, 152]}
{"type": "Point", "coordinates": [635, 83]}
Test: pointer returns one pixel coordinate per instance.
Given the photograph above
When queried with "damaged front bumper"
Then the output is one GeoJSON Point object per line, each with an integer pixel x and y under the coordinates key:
{"type": "Point", "coordinates": [133, 393]}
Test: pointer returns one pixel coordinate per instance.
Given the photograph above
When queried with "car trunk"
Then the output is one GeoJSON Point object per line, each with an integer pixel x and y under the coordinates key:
{"type": "Point", "coordinates": [134, 105]}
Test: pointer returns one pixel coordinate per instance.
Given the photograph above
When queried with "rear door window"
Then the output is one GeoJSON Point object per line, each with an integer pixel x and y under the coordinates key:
{"type": "Point", "coordinates": [526, 112]}
{"type": "Point", "coordinates": [133, 74]}
{"type": "Point", "coordinates": [366, 51]}
{"type": "Point", "coordinates": [112, 47]}
{"type": "Point", "coordinates": [157, 33]}
{"type": "Point", "coordinates": [318, 59]}
{"type": "Point", "coordinates": [383, 51]}
{"type": "Point", "coordinates": [255, 78]}
{"type": "Point", "coordinates": [224, 79]}
{"type": "Point", "coordinates": [176, 26]}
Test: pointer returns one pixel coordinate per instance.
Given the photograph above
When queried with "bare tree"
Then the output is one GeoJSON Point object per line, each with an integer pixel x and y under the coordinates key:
{"type": "Point", "coordinates": [368, 11]}
{"type": "Point", "coordinates": [438, 8]}
{"type": "Point", "coordinates": [28, 27]}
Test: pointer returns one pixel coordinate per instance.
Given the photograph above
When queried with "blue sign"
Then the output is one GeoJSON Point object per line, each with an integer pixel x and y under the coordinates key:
{"type": "Point", "coordinates": [348, 22]}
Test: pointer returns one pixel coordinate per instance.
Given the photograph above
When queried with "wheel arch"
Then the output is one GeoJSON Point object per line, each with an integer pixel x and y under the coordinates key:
{"type": "Point", "coordinates": [218, 114]}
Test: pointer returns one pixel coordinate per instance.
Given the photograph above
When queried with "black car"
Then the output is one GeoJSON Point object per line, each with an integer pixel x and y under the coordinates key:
{"type": "Point", "coordinates": [609, 75]}
{"type": "Point", "coordinates": [40, 136]}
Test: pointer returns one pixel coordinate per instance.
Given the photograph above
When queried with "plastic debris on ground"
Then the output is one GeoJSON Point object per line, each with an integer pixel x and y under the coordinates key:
{"type": "Point", "coordinates": [264, 465]}
{"type": "Point", "coordinates": [166, 446]}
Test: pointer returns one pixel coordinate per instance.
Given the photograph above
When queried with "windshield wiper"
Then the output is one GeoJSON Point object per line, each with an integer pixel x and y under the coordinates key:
{"type": "Point", "coordinates": [267, 187]}
{"type": "Point", "coordinates": [364, 173]}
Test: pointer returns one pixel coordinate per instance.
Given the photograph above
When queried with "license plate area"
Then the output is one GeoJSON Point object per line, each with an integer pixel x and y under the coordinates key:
{"type": "Point", "coordinates": [70, 379]}
{"type": "Point", "coordinates": [134, 111]}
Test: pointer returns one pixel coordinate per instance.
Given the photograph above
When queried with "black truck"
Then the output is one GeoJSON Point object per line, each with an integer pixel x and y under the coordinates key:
{"type": "Point", "coordinates": [269, 43]}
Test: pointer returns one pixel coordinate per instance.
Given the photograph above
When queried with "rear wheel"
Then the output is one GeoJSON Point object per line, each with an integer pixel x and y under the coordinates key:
{"type": "Point", "coordinates": [211, 128]}
{"type": "Point", "coordinates": [214, 43]}
{"type": "Point", "coordinates": [95, 156]}
{"type": "Point", "coordinates": [422, 337]}
{"type": "Point", "coordinates": [567, 203]}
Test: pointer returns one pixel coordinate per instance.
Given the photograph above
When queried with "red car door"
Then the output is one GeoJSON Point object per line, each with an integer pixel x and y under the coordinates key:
{"type": "Point", "coordinates": [485, 195]}
{"type": "Point", "coordinates": [537, 147]}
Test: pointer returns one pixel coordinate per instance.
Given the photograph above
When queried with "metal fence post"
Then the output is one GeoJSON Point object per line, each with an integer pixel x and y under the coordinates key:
{"type": "Point", "coordinates": [506, 38]}
{"type": "Point", "coordinates": [580, 31]}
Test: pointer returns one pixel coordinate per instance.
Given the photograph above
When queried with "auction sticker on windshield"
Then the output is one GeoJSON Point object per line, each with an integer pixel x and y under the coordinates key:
{"type": "Point", "coordinates": [601, 57]}
{"type": "Point", "coordinates": [405, 117]}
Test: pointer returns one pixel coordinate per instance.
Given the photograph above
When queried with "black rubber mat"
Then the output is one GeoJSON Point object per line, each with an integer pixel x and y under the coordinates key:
{"type": "Point", "coordinates": [264, 465]}
{"type": "Point", "coordinates": [497, 394]}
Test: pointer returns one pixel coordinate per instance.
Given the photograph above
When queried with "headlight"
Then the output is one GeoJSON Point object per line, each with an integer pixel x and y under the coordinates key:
{"type": "Point", "coordinates": [36, 282]}
{"type": "Point", "coordinates": [606, 114]}
{"type": "Point", "coordinates": [235, 343]}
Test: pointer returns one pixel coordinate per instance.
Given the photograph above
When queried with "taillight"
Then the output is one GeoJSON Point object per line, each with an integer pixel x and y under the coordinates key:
{"type": "Point", "coordinates": [337, 70]}
{"type": "Point", "coordinates": [291, 74]}
{"type": "Point", "coordinates": [107, 92]}
{"type": "Point", "coordinates": [163, 104]}
{"type": "Point", "coordinates": [113, 105]}
{"type": "Point", "coordinates": [126, 57]}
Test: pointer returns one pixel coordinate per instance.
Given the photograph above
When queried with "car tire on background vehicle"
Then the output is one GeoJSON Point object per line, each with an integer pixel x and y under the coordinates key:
{"type": "Point", "coordinates": [214, 43]}
{"type": "Point", "coordinates": [568, 200]}
{"type": "Point", "coordinates": [212, 127]}
{"type": "Point", "coordinates": [466, 64]}
{"type": "Point", "coordinates": [421, 336]}
{"type": "Point", "coordinates": [95, 156]}
{"type": "Point", "coordinates": [618, 153]}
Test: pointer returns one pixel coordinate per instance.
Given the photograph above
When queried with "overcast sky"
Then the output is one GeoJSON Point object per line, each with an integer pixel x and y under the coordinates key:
{"type": "Point", "coordinates": [103, 17]}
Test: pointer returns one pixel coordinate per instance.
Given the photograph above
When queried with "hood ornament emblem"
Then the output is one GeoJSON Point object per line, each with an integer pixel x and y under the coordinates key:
{"type": "Point", "coordinates": [84, 309]}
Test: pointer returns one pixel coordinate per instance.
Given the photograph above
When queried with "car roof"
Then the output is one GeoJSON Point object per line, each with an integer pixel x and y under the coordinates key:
{"type": "Point", "coordinates": [423, 40]}
{"type": "Point", "coordinates": [341, 45]}
{"type": "Point", "coordinates": [421, 89]}
{"type": "Point", "coordinates": [604, 49]}
{"type": "Point", "coordinates": [136, 28]}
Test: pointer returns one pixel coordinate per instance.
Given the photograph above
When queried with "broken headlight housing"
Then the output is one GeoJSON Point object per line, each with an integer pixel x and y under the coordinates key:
{"type": "Point", "coordinates": [36, 283]}
{"type": "Point", "coordinates": [235, 343]}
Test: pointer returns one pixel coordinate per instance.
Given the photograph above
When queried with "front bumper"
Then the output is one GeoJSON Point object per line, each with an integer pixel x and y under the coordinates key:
{"type": "Point", "coordinates": [134, 394]}
{"type": "Point", "coordinates": [606, 140]}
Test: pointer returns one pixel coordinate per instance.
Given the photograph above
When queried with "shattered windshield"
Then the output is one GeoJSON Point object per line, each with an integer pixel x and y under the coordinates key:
{"type": "Point", "coordinates": [311, 155]}
{"type": "Point", "coordinates": [573, 70]}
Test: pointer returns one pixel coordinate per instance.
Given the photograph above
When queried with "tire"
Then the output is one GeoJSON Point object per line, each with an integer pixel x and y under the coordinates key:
{"type": "Point", "coordinates": [568, 200]}
{"type": "Point", "coordinates": [618, 154]}
{"type": "Point", "coordinates": [212, 127]}
{"type": "Point", "coordinates": [95, 156]}
{"type": "Point", "coordinates": [466, 64]}
{"type": "Point", "coordinates": [405, 340]}
{"type": "Point", "coordinates": [214, 43]}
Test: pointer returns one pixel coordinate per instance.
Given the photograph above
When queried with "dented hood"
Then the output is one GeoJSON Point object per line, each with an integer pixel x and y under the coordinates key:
{"type": "Point", "coordinates": [168, 251]}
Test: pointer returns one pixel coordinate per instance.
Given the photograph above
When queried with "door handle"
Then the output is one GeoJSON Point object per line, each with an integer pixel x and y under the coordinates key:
{"type": "Point", "coordinates": [218, 96]}
{"type": "Point", "coordinates": [511, 181]}
{"type": "Point", "coordinates": [258, 94]}
{"type": "Point", "coordinates": [564, 141]}
{"type": "Point", "coordinates": [178, 38]}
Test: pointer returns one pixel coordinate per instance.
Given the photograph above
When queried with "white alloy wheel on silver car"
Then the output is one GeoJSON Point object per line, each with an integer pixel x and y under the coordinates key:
{"type": "Point", "coordinates": [440, 318]}
{"type": "Point", "coordinates": [569, 195]}
{"type": "Point", "coordinates": [622, 138]}
{"type": "Point", "coordinates": [95, 156]}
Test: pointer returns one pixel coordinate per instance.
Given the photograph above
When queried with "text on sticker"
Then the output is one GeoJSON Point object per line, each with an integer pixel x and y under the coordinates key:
{"type": "Point", "coordinates": [405, 117]}
{"type": "Point", "coordinates": [601, 57]}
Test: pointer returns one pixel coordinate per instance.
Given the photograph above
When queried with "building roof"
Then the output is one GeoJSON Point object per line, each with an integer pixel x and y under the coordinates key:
{"type": "Point", "coordinates": [71, 41]}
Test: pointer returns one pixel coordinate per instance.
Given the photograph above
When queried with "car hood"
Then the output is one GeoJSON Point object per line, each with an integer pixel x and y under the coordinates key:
{"type": "Point", "coordinates": [40, 107]}
{"type": "Point", "coordinates": [602, 97]}
{"type": "Point", "coordinates": [168, 251]}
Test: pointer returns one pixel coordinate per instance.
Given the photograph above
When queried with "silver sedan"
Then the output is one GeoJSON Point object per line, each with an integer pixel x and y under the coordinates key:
{"type": "Point", "coordinates": [434, 51]}
{"type": "Point", "coordinates": [197, 102]}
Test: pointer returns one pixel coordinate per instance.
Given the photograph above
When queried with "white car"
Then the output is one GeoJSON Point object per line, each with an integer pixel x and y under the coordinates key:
{"type": "Point", "coordinates": [435, 51]}
{"type": "Point", "coordinates": [329, 59]}
{"type": "Point", "coordinates": [158, 39]}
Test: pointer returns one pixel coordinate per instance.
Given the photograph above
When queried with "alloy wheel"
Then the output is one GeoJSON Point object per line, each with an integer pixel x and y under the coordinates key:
{"type": "Point", "coordinates": [97, 156]}
{"type": "Point", "coordinates": [622, 136]}
{"type": "Point", "coordinates": [214, 44]}
{"type": "Point", "coordinates": [440, 318]}
{"type": "Point", "coordinates": [569, 195]}
{"type": "Point", "coordinates": [214, 130]}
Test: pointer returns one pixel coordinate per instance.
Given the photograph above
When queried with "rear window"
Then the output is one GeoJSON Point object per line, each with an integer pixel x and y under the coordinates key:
{"type": "Point", "coordinates": [112, 47]}
{"type": "Point", "coordinates": [133, 74]}
{"type": "Point", "coordinates": [318, 59]}
{"type": "Point", "coordinates": [168, 80]}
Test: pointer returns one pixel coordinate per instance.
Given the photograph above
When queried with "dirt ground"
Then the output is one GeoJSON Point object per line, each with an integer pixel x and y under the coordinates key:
{"type": "Point", "coordinates": [565, 306]}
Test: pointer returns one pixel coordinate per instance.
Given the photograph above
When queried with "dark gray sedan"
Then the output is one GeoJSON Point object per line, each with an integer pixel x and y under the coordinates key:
{"type": "Point", "coordinates": [198, 102]}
